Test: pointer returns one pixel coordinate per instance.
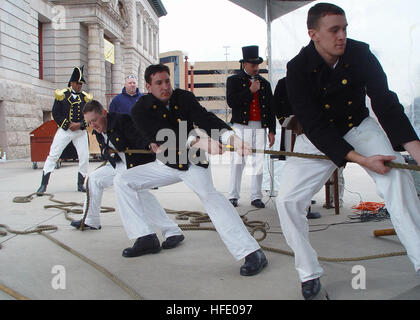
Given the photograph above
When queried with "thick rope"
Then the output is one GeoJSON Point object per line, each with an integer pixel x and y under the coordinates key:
{"type": "Point", "coordinates": [12, 293]}
{"type": "Point", "coordinates": [131, 292]}
{"type": "Point", "coordinates": [299, 155]}
{"type": "Point", "coordinates": [82, 225]}
{"type": "Point", "coordinates": [195, 217]}
{"type": "Point", "coordinates": [37, 229]}
{"type": "Point", "coordinates": [259, 226]}
{"type": "Point", "coordinates": [64, 205]}
{"type": "Point", "coordinates": [40, 229]}
{"type": "Point", "coordinates": [67, 207]}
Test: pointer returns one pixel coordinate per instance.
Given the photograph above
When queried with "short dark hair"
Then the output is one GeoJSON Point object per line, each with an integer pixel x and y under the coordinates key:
{"type": "Point", "coordinates": [155, 68]}
{"type": "Point", "coordinates": [94, 106]}
{"type": "Point", "coordinates": [319, 11]}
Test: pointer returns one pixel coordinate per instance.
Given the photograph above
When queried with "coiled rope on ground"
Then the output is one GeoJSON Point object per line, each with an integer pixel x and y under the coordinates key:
{"type": "Point", "coordinates": [195, 217]}
{"type": "Point", "coordinates": [260, 226]}
{"type": "Point", "coordinates": [66, 207]}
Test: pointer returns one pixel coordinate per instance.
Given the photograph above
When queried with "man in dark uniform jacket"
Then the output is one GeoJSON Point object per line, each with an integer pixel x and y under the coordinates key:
{"type": "Point", "coordinates": [283, 111]}
{"type": "Point", "coordinates": [327, 83]}
{"type": "Point", "coordinates": [67, 113]}
{"type": "Point", "coordinates": [249, 96]}
{"type": "Point", "coordinates": [117, 135]}
{"type": "Point", "coordinates": [280, 102]}
{"type": "Point", "coordinates": [166, 113]}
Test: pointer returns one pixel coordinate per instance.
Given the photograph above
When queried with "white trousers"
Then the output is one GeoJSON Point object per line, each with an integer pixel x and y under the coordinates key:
{"type": "Point", "coordinates": [305, 177]}
{"type": "Point", "coordinates": [254, 135]}
{"type": "Point", "coordinates": [136, 224]}
{"type": "Point", "coordinates": [61, 139]}
{"type": "Point", "coordinates": [225, 219]}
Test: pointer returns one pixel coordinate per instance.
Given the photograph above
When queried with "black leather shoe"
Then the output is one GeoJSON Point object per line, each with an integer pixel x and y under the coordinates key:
{"type": "Point", "coordinates": [143, 245]}
{"type": "Point", "coordinates": [234, 202]}
{"type": "Point", "coordinates": [78, 223]}
{"type": "Point", "coordinates": [254, 263]}
{"type": "Point", "coordinates": [44, 182]}
{"type": "Point", "coordinates": [313, 290]}
{"type": "Point", "coordinates": [258, 203]}
{"type": "Point", "coordinates": [172, 242]}
{"type": "Point", "coordinates": [313, 215]}
{"type": "Point", "coordinates": [42, 188]}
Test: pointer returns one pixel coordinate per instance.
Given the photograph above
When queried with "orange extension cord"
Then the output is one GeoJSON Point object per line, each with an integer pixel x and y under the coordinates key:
{"type": "Point", "coordinates": [368, 206]}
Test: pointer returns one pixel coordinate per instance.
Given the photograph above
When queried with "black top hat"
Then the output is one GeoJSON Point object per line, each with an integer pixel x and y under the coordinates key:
{"type": "Point", "coordinates": [250, 54]}
{"type": "Point", "coordinates": [77, 75]}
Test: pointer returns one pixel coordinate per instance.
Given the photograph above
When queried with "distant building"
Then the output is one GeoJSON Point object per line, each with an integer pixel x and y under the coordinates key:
{"type": "Point", "coordinates": [41, 41]}
{"type": "Point", "coordinates": [206, 79]}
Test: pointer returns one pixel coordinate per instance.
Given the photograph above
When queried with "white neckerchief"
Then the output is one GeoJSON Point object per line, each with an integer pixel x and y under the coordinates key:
{"type": "Point", "coordinates": [252, 78]}
{"type": "Point", "coordinates": [75, 95]}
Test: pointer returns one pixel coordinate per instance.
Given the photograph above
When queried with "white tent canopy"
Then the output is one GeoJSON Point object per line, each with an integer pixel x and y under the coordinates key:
{"type": "Point", "coordinates": [270, 10]}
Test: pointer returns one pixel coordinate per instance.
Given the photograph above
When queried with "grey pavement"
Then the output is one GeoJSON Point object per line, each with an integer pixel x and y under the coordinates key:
{"type": "Point", "coordinates": [201, 268]}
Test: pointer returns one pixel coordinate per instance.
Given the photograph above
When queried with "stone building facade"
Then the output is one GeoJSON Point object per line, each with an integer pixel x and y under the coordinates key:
{"type": "Point", "coordinates": [41, 41]}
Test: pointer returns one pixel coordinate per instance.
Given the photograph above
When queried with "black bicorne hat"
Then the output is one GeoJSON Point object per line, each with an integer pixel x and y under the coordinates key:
{"type": "Point", "coordinates": [250, 54]}
{"type": "Point", "coordinates": [77, 75]}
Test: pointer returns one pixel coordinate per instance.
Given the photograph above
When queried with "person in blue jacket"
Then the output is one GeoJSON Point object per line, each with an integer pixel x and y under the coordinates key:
{"type": "Point", "coordinates": [123, 102]}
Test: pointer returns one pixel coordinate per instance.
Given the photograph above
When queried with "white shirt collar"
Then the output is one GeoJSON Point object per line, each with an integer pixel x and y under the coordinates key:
{"type": "Point", "coordinates": [335, 64]}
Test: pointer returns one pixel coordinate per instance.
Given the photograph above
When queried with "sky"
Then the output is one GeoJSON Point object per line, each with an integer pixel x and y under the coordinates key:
{"type": "Point", "coordinates": [203, 29]}
{"type": "Point", "coordinates": [391, 28]}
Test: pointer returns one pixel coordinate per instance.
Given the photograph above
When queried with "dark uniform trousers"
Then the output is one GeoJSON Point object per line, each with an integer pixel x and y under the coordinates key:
{"type": "Point", "coordinates": [121, 135]}
{"type": "Point", "coordinates": [330, 105]}
{"type": "Point", "coordinates": [151, 116]}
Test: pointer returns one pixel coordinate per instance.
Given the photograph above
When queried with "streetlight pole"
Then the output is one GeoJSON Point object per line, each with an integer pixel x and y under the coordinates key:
{"type": "Point", "coordinates": [192, 77]}
{"type": "Point", "coordinates": [186, 72]}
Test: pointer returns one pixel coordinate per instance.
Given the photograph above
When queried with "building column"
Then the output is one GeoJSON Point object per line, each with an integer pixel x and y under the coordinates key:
{"type": "Point", "coordinates": [96, 62]}
{"type": "Point", "coordinates": [141, 83]}
{"type": "Point", "coordinates": [117, 76]}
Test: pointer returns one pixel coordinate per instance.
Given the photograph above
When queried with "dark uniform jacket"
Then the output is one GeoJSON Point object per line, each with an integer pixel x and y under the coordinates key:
{"type": "Point", "coordinates": [239, 97]}
{"type": "Point", "coordinates": [67, 109]}
{"type": "Point", "coordinates": [280, 102]}
{"type": "Point", "coordinates": [123, 135]}
{"type": "Point", "coordinates": [282, 109]}
{"type": "Point", "coordinates": [329, 102]}
{"type": "Point", "coordinates": [150, 115]}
